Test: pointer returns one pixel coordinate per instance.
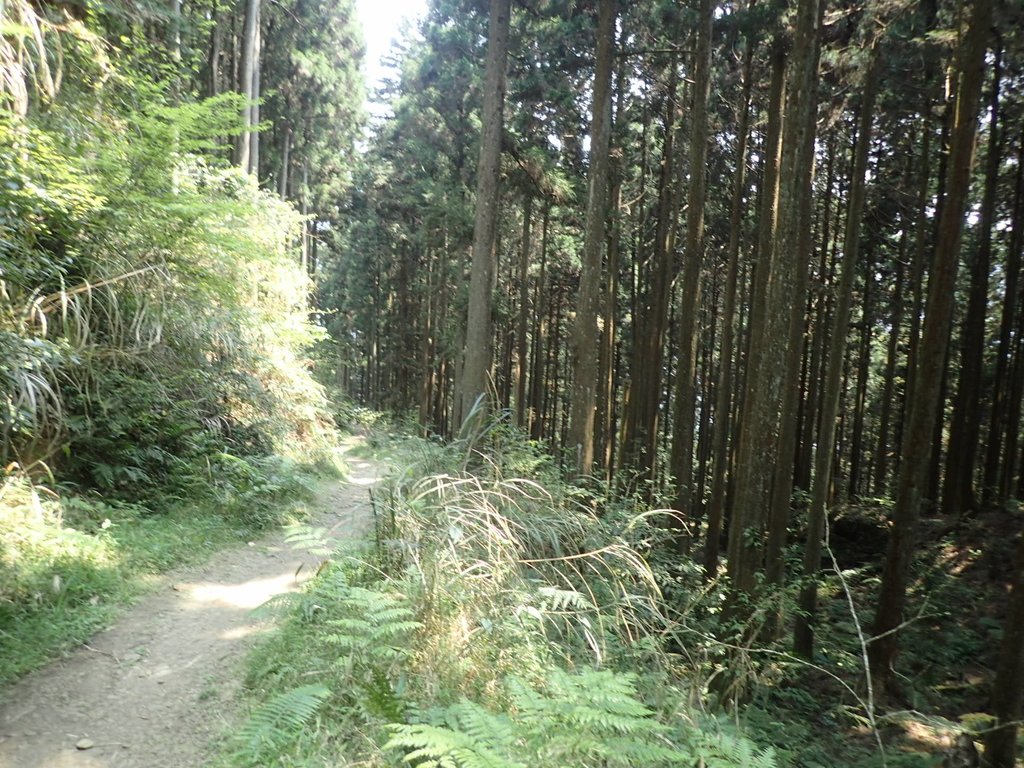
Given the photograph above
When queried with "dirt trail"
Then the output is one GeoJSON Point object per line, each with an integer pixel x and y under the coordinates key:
{"type": "Point", "coordinates": [157, 689]}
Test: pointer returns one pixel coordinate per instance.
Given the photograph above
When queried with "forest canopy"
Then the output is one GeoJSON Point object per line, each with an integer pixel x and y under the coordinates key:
{"type": "Point", "coordinates": [755, 265]}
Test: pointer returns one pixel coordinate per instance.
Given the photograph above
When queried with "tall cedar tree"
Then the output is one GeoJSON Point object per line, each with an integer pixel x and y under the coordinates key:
{"type": "Point", "coordinates": [924, 398]}
{"type": "Point", "coordinates": [479, 349]}
{"type": "Point", "coordinates": [587, 332]}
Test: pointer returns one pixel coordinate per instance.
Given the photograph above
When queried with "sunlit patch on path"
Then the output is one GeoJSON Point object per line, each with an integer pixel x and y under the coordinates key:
{"type": "Point", "coordinates": [157, 689]}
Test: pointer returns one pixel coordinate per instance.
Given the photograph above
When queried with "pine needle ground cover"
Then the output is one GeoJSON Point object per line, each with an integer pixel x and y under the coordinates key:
{"type": "Point", "coordinates": [493, 620]}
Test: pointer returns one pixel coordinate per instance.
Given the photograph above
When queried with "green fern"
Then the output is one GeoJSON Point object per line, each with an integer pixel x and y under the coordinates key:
{"type": "Point", "coordinates": [429, 746]}
{"type": "Point", "coordinates": [284, 605]}
{"type": "Point", "coordinates": [375, 627]}
{"type": "Point", "coordinates": [464, 735]}
{"type": "Point", "coordinates": [312, 539]}
{"type": "Point", "coordinates": [720, 747]}
{"type": "Point", "coordinates": [280, 720]}
{"type": "Point", "coordinates": [565, 599]}
{"type": "Point", "coordinates": [591, 718]}
{"type": "Point", "coordinates": [380, 699]}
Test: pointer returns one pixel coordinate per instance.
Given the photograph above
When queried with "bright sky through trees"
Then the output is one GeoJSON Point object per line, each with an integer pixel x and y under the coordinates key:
{"type": "Point", "coordinates": [382, 25]}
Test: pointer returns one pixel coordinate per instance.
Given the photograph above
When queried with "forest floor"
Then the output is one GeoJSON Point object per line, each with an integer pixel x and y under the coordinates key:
{"type": "Point", "coordinates": [160, 688]}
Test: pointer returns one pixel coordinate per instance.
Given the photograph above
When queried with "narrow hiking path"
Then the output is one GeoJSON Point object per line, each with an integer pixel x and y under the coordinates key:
{"type": "Point", "coordinates": [158, 688]}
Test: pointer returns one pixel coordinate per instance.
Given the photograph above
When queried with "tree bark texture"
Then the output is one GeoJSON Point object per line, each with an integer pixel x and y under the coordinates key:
{"type": "Point", "coordinates": [587, 331]}
{"type": "Point", "coordinates": [759, 439]}
{"type": "Point", "coordinates": [479, 349]}
{"type": "Point", "coordinates": [924, 399]}
{"type": "Point", "coordinates": [523, 320]}
{"type": "Point", "coordinates": [689, 327]}
{"type": "Point", "coordinates": [1008, 686]}
{"type": "Point", "coordinates": [246, 74]}
{"type": "Point", "coordinates": [993, 489]}
{"type": "Point", "coordinates": [724, 394]}
{"type": "Point", "coordinates": [650, 313]}
{"type": "Point", "coordinates": [958, 493]}
{"type": "Point", "coordinates": [803, 637]}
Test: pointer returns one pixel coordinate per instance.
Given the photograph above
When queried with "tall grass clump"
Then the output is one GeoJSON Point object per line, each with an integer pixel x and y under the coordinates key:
{"type": "Point", "coordinates": [498, 616]}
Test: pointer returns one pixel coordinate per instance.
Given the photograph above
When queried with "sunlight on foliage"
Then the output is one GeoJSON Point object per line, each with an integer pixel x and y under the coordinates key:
{"type": "Point", "coordinates": [491, 624]}
{"type": "Point", "coordinates": [154, 330]}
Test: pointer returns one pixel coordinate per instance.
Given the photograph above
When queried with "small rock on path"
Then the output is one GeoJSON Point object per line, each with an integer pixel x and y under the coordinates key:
{"type": "Point", "coordinates": [157, 689]}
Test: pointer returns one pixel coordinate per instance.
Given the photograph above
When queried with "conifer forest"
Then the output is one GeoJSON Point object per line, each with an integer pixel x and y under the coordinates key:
{"type": "Point", "coordinates": [689, 336]}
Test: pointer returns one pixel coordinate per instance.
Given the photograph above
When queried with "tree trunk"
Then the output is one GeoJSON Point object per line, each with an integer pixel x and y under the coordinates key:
{"type": "Point", "coordinates": [818, 319]}
{"type": "Point", "coordinates": [797, 241]}
{"type": "Point", "coordinates": [881, 472]}
{"type": "Point", "coordinates": [213, 84]}
{"type": "Point", "coordinates": [479, 349]}
{"type": "Point", "coordinates": [958, 494]}
{"type": "Point", "coordinates": [650, 319]}
{"type": "Point", "coordinates": [1008, 686]}
{"type": "Point", "coordinates": [724, 394]}
{"type": "Point", "coordinates": [857, 441]}
{"type": "Point", "coordinates": [174, 46]}
{"type": "Point", "coordinates": [246, 73]}
{"type": "Point", "coordinates": [538, 372]}
{"type": "Point", "coordinates": [607, 407]}
{"type": "Point", "coordinates": [917, 278]}
{"type": "Point", "coordinates": [924, 399]}
{"type": "Point", "coordinates": [746, 516]}
{"type": "Point", "coordinates": [782, 482]}
{"type": "Point", "coordinates": [523, 320]}
{"type": "Point", "coordinates": [689, 327]}
{"type": "Point", "coordinates": [587, 330]}
{"type": "Point", "coordinates": [803, 635]}
{"type": "Point", "coordinates": [759, 441]}
{"type": "Point", "coordinates": [427, 369]}
{"type": "Point", "coordinates": [992, 489]}
{"type": "Point", "coordinates": [257, 69]}
{"type": "Point", "coordinates": [282, 181]}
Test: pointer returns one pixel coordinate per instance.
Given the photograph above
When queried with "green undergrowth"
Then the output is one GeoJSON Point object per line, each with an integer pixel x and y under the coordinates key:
{"type": "Point", "coordinates": [493, 618]}
{"type": "Point", "coordinates": [501, 616]}
{"type": "Point", "coordinates": [156, 390]}
{"type": "Point", "coordinates": [69, 562]}
{"type": "Point", "coordinates": [817, 713]}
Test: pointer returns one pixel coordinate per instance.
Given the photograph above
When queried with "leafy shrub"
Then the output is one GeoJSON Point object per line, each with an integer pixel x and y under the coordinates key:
{"type": "Point", "coordinates": [153, 315]}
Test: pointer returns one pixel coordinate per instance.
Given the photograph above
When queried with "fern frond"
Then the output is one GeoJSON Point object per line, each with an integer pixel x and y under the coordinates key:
{"type": "Point", "coordinates": [380, 699]}
{"type": "Point", "coordinates": [312, 539]}
{"type": "Point", "coordinates": [564, 599]}
{"type": "Point", "coordinates": [719, 746]}
{"type": "Point", "coordinates": [281, 605]}
{"type": "Point", "coordinates": [591, 717]}
{"type": "Point", "coordinates": [282, 718]}
{"type": "Point", "coordinates": [350, 625]}
{"type": "Point", "coordinates": [394, 613]}
{"type": "Point", "coordinates": [431, 745]}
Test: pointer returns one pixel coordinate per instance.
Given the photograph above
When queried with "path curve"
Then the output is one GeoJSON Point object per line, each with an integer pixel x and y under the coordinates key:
{"type": "Point", "coordinates": [160, 687]}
